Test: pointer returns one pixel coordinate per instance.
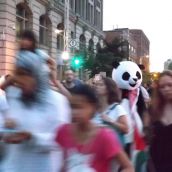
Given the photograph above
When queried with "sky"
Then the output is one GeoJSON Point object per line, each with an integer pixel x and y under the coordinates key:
{"type": "Point", "coordinates": [154, 17]}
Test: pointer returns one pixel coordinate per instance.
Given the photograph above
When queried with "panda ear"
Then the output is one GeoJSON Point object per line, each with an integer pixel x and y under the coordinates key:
{"type": "Point", "coordinates": [141, 66]}
{"type": "Point", "coordinates": [115, 64]}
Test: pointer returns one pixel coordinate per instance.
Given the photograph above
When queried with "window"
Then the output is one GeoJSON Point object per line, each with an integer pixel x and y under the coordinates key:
{"type": "Point", "coordinates": [98, 4]}
{"type": "Point", "coordinates": [82, 43]}
{"type": "Point", "coordinates": [97, 19]}
{"type": "Point", "coordinates": [44, 30]}
{"type": "Point", "coordinates": [72, 35]}
{"type": "Point", "coordinates": [60, 37]}
{"type": "Point", "coordinates": [98, 47]}
{"type": "Point", "coordinates": [91, 45]}
{"type": "Point", "coordinates": [23, 18]}
{"type": "Point", "coordinates": [83, 8]}
{"type": "Point", "coordinates": [78, 6]}
{"type": "Point", "coordinates": [90, 12]}
{"type": "Point", "coordinates": [72, 4]}
{"type": "Point", "coordinates": [60, 42]}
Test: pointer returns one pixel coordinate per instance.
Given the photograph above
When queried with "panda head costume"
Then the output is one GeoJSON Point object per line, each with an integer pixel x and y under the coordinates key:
{"type": "Point", "coordinates": [127, 75]}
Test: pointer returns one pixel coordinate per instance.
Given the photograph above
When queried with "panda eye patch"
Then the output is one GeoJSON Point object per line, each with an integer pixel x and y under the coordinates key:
{"type": "Point", "coordinates": [138, 75]}
{"type": "Point", "coordinates": [126, 76]}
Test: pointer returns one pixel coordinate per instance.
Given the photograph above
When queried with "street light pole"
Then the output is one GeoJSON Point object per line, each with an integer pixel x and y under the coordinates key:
{"type": "Point", "coordinates": [66, 26]}
{"type": "Point", "coordinates": [65, 55]}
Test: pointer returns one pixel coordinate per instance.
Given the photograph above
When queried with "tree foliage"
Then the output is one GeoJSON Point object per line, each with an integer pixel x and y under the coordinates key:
{"type": "Point", "coordinates": [147, 77]}
{"type": "Point", "coordinates": [170, 66]}
{"type": "Point", "coordinates": [115, 51]}
{"type": "Point", "coordinates": [102, 61]}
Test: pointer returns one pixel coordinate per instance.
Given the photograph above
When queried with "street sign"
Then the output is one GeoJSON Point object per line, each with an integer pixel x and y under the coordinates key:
{"type": "Point", "coordinates": [73, 43]}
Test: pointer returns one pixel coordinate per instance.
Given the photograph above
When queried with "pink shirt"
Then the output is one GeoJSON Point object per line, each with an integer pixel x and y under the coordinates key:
{"type": "Point", "coordinates": [95, 156]}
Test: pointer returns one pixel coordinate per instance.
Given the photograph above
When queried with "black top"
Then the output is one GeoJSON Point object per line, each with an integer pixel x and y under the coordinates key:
{"type": "Point", "coordinates": [161, 147]}
{"type": "Point", "coordinates": [75, 86]}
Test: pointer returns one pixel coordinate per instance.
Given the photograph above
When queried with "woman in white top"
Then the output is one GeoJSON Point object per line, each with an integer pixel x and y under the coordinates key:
{"type": "Point", "coordinates": [110, 112]}
{"type": "Point", "coordinates": [34, 116]}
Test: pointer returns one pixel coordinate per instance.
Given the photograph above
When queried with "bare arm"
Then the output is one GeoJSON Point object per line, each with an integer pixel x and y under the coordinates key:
{"type": "Point", "coordinates": [61, 88]}
{"type": "Point", "coordinates": [124, 162]}
{"type": "Point", "coordinates": [120, 124]}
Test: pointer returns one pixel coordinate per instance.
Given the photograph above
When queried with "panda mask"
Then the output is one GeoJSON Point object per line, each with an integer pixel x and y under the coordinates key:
{"type": "Point", "coordinates": [127, 75]}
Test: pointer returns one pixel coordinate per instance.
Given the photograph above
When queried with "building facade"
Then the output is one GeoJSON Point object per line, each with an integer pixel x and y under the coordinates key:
{"type": "Point", "coordinates": [142, 44]}
{"type": "Point", "coordinates": [123, 34]}
{"type": "Point", "coordinates": [138, 44]}
{"type": "Point", "coordinates": [44, 17]}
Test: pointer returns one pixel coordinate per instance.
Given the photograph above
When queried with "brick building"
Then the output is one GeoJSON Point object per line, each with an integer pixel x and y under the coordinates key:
{"type": "Point", "coordinates": [44, 17]}
{"type": "Point", "coordinates": [123, 34]}
{"type": "Point", "coordinates": [142, 47]}
{"type": "Point", "coordinates": [138, 44]}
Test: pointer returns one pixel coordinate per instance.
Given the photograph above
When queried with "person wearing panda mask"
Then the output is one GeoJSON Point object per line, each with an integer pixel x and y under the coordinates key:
{"type": "Point", "coordinates": [128, 77]}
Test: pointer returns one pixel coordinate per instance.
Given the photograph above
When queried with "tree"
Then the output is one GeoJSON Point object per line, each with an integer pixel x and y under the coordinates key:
{"type": "Point", "coordinates": [115, 51]}
{"type": "Point", "coordinates": [147, 77]}
{"type": "Point", "coordinates": [82, 61]}
{"type": "Point", "coordinates": [102, 61]}
{"type": "Point", "coordinates": [170, 66]}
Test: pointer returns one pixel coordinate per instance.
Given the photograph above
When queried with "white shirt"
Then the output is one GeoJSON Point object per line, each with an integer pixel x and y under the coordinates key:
{"type": "Point", "coordinates": [3, 107]}
{"type": "Point", "coordinates": [145, 94]}
{"type": "Point", "coordinates": [114, 114]}
{"type": "Point", "coordinates": [42, 122]}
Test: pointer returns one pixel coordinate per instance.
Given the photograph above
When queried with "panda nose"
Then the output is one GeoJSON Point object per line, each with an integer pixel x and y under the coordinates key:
{"type": "Point", "coordinates": [135, 79]}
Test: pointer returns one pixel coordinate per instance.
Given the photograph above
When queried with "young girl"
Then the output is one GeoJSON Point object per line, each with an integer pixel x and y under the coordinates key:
{"type": "Point", "coordinates": [87, 147]}
{"type": "Point", "coordinates": [161, 124]}
{"type": "Point", "coordinates": [110, 113]}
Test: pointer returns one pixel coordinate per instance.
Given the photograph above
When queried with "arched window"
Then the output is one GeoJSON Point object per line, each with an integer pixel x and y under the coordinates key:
{"type": "Point", "coordinates": [44, 30]}
{"type": "Point", "coordinates": [23, 18]}
{"type": "Point", "coordinates": [91, 45]}
{"type": "Point", "coordinates": [60, 37]}
{"type": "Point", "coordinates": [82, 43]}
{"type": "Point", "coordinates": [98, 47]}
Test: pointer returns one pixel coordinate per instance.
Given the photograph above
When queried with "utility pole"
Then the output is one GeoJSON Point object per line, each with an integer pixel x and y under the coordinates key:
{"type": "Point", "coordinates": [66, 26]}
{"type": "Point", "coordinates": [65, 54]}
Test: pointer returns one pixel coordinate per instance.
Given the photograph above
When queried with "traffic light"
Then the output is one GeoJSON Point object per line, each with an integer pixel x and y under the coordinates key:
{"type": "Point", "coordinates": [77, 62]}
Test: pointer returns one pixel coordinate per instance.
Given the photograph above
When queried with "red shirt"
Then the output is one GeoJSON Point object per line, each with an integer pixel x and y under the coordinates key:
{"type": "Point", "coordinates": [95, 156]}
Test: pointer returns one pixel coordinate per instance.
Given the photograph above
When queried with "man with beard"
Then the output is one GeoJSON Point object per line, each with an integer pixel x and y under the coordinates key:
{"type": "Point", "coordinates": [71, 82]}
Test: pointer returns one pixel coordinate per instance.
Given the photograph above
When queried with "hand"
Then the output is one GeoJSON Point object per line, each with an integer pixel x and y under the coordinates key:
{"type": "Point", "coordinates": [17, 138]}
{"type": "Point", "coordinates": [10, 123]}
{"type": "Point", "coordinates": [9, 80]}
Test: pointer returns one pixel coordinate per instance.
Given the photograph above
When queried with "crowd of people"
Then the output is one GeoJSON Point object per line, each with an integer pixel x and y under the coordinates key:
{"type": "Point", "coordinates": [77, 127]}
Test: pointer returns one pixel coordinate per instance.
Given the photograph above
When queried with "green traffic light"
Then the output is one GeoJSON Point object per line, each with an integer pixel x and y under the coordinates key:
{"type": "Point", "coordinates": [77, 62]}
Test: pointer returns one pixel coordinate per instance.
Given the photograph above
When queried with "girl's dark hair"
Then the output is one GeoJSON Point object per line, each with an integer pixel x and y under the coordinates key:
{"type": "Point", "coordinates": [29, 35]}
{"type": "Point", "coordinates": [158, 101]}
{"type": "Point", "coordinates": [86, 91]}
{"type": "Point", "coordinates": [114, 93]}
